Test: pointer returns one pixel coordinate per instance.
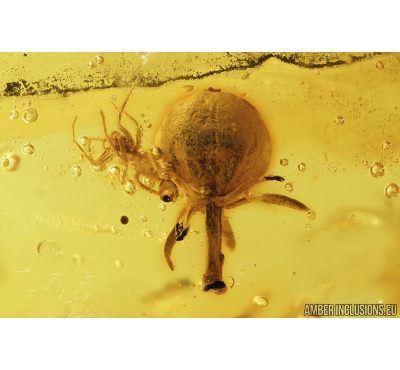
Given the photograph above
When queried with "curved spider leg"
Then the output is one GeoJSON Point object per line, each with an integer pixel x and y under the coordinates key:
{"type": "Point", "coordinates": [277, 199]}
{"type": "Point", "coordinates": [139, 131]}
{"type": "Point", "coordinates": [112, 146]}
{"type": "Point", "coordinates": [234, 195]}
{"type": "Point", "coordinates": [212, 279]}
{"type": "Point", "coordinates": [227, 233]}
{"type": "Point", "coordinates": [178, 233]}
{"type": "Point", "coordinates": [120, 111]}
{"type": "Point", "coordinates": [143, 186]}
{"type": "Point", "coordinates": [104, 157]}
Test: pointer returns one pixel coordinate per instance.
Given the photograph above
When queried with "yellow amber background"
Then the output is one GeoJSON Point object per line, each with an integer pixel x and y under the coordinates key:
{"type": "Point", "coordinates": [90, 265]}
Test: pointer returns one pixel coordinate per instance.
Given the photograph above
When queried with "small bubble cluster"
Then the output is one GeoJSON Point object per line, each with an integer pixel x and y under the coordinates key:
{"type": "Point", "coordinates": [391, 190]}
{"type": "Point", "coordinates": [260, 301]}
{"type": "Point", "coordinates": [29, 115]}
{"type": "Point", "coordinates": [284, 162]}
{"type": "Point", "coordinates": [339, 120]}
{"type": "Point", "coordinates": [376, 169]}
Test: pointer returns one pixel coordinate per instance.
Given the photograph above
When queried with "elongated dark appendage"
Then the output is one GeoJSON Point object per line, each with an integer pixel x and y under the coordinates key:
{"type": "Point", "coordinates": [274, 178]}
{"type": "Point", "coordinates": [282, 200]}
{"type": "Point", "coordinates": [212, 279]}
{"type": "Point", "coordinates": [178, 233]}
{"type": "Point", "coordinates": [227, 234]}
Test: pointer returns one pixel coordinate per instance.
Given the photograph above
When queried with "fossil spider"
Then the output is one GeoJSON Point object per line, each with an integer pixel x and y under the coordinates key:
{"type": "Point", "coordinates": [212, 146]}
{"type": "Point", "coordinates": [121, 146]}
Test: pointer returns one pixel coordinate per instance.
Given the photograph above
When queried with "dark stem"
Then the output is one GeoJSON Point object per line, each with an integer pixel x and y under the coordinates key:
{"type": "Point", "coordinates": [212, 279]}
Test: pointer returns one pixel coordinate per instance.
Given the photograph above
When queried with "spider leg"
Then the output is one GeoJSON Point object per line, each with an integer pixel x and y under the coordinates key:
{"type": "Point", "coordinates": [234, 195]}
{"type": "Point", "coordinates": [139, 132]}
{"type": "Point", "coordinates": [280, 200]}
{"type": "Point", "coordinates": [178, 233]}
{"type": "Point", "coordinates": [104, 157]}
{"type": "Point", "coordinates": [123, 129]}
{"type": "Point", "coordinates": [143, 186]}
{"type": "Point", "coordinates": [227, 233]}
{"type": "Point", "coordinates": [212, 279]}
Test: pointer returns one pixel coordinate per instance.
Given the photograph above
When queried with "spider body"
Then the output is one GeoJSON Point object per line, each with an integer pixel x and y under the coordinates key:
{"type": "Point", "coordinates": [121, 146]}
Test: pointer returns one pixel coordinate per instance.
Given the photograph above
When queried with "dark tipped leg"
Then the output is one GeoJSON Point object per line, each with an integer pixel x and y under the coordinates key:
{"type": "Point", "coordinates": [212, 279]}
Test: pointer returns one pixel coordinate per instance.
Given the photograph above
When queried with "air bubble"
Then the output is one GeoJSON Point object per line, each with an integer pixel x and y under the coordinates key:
{"type": "Point", "coordinates": [118, 263]}
{"type": "Point", "coordinates": [391, 190]}
{"type": "Point", "coordinates": [339, 120]}
{"type": "Point", "coordinates": [29, 115]}
{"type": "Point", "coordinates": [155, 152]}
{"type": "Point", "coordinates": [377, 169]}
{"type": "Point", "coordinates": [386, 145]}
{"type": "Point", "coordinates": [311, 215]}
{"type": "Point", "coordinates": [113, 97]}
{"type": "Point", "coordinates": [379, 65]}
{"type": "Point", "coordinates": [148, 182]}
{"type": "Point", "coordinates": [28, 149]}
{"type": "Point", "coordinates": [352, 217]}
{"type": "Point", "coordinates": [308, 226]}
{"type": "Point", "coordinates": [143, 218]}
{"type": "Point", "coordinates": [205, 190]}
{"type": "Point", "coordinates": [90, 65]}
{"type": "Point", "coordinates": [162, 207]}
{"type": "Point", "coordinates": [114, 170]}
{"type": "Point", "coordinates": [99, 59]}
{"type": "Point", "coordinates": [301, 167]}
{"type": "Point", "coordinates": [42, 84]}
{"type": "Point", "coordinates": [289, 187]}
{"type": "Point", "coordinates": [83, 140]}
{"type": "Point", "coordinates": [76, 171]}
{"type": "Point", "coordinates": [284, 162]}
{"type": "Point", "coordinates": [8, 162]}
{"type": "Point", "coordinates": [147, 233]}
{"type": "Point", "coordinates": [50, 248]}
{"type": "Point", "coordinates": [14, 114]}
{"type": "Point", "coordinates": [260, 301]}
{"type": "Point", "coordinates": [129, 187]}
